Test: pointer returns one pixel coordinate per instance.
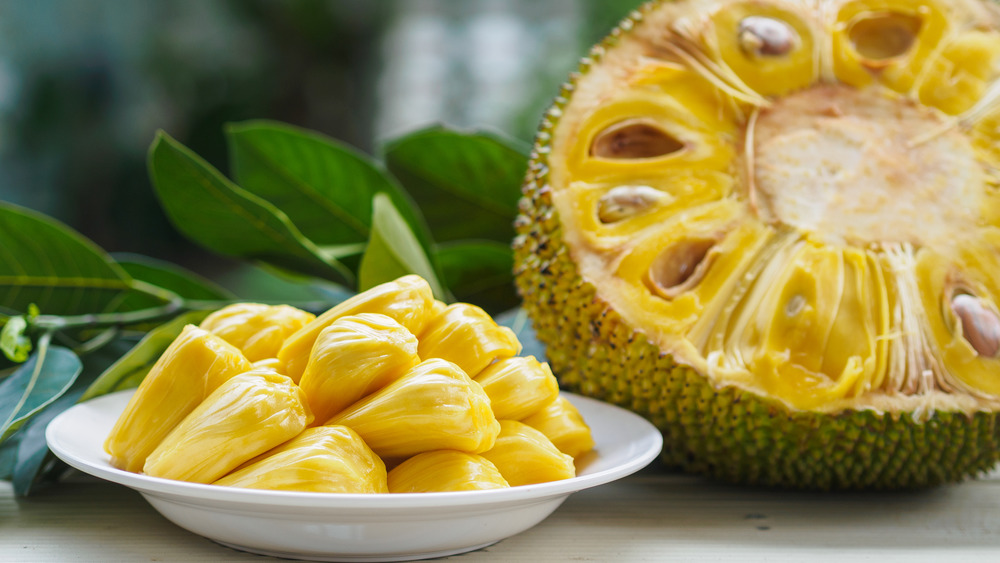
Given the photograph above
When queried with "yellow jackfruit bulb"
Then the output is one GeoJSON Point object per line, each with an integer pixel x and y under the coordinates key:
{"type": "Point", "coordinates": [257, 330]}
{"type": "Point", "coordinates": [406, 300]}
{"type": "Point", "coordinates": [270, 363]}
{"type": "Point", "coordinates": [562, 424]}
{"type": "Point", "coordinates": [434, 406]}
{"type": "Point", "coordinates": [246, 416]}
{"type": "Point", "coordinates": [193, 366]}
{"type": "Point", "coordinates": [525, 456]}
{"type": "Point", "coordinates": [518, 386]}
{"type": "Point", "coordinates": [445, 470]}
{"type": "Point", "coordinates": [467, 336]}
{"type": "Point", "coordinates": [354, 357]}
{"type": "Point", "coordinates": [325, 459]}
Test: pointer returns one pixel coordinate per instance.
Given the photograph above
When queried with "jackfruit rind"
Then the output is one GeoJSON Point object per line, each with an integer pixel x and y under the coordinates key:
{"type": "Point", "coordinates": [524, 456]}
{"type": "Point", "coordinates": [518, 386]}
{"type": "Point", "coordinates": [257, 330]}
{"type": "Point", "coordinates": [443, 471]}
{"type": "Point", "coordinates": [354, 357]}
{"type": "Point", "coordinates": [467, 336]}
{"type": "Point", "coordinates": [245, 416]}
{"type": "Point", "coordinates": [433, 406]}
{"type": "Point", "coordinates": [324, 459]}
{"type": "Point", "coordinates": [407, 300]}
{"type": "Point", "coordinates": [923, 430]}
{"type": "Point", "coordinates": [190, 369]}
{"type": "Point", "coordinates": [562, 423]}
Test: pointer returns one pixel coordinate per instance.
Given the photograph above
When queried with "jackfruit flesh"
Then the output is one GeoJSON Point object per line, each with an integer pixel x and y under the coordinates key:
{"type": "Point", "coordinates": [257, 330]}
{"type": "Point", "coordinates": [443, 471]}
{"type": "Point", "coordinates": [244, 417]}
{"type": "Point", "coordinates": [433, 406]}
{"type": "Point", "coordinates": [772, 228]}
{"type": "Point", "coordinates": [194, 365]}
{"type": "Point", "coordinates": [407, 300]}
{"type": "Point", "coordinates": [324, 459]}
{"type": "Point", "coordinates": [467, 336]}
{"type": "Point", "coordinates": [563, 425]}
{"type": "Point", "coordinates": [354, 357]}
{"type": "Point", "coordinates": [518, 386]}
{"type": "Point", "coordinates": [524, 456]}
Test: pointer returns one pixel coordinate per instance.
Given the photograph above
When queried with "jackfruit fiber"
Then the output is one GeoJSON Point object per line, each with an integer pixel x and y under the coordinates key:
{"type": "Point", "coordinates": [433, 406]}
{"type": "Point", "coordinates": [194, 365]}
{"type": "Point", "coordinates": [324, 459]}
{"type": "Point", "coordinates": [244, 417]}
{"type": "Point", "coordinates": [354, 357]}
{"type": "Point", "coordinates": [443, 471]}
{"type": "Point", "coordinates": [772, 228]}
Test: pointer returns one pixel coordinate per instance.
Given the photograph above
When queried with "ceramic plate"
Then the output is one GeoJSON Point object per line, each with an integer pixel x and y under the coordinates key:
{"type": "Point", "coordinates": [355, 527]}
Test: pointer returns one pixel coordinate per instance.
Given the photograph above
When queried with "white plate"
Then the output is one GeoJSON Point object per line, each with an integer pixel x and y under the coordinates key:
{"type": "Point", "coordinates": [356, 527]}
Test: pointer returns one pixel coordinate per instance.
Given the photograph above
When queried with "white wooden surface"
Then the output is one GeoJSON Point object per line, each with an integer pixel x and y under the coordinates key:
{"type": "Point", "coordinates": [651, 516]}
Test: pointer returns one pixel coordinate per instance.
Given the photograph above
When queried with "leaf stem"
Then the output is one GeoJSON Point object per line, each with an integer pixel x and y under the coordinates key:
{"type": "Point", "coordinates": [174, 304]}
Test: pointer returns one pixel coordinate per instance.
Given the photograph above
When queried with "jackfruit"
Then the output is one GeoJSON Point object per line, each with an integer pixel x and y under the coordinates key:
{"type": "Point", "coordinates": [324, 459]}
{"type": "Point", "coordinates": [518, 386]}
{"type": "Point", "coordinates": [354, 357]}
{"type": "Point", "coordinates": [244, 417]}
{"type": "Point", "coordinates": [192, 367]}
{"type": "Point", "coordinates": [467, 336]}
{"type": "Point", "coordinates": [524, 456]}
{"type": "Point", "coordinates": [445, 470]}
{"type": "Point", "coordinates": [771, 228]}
{"type": "Point", "coordinates": [563, 425]}
{"type": "Point", "coordinates": [257, 330]}
{"type": "Point", "coordinates": [433, 406]}
{"type": "Point", "coordinates": [407, 300]}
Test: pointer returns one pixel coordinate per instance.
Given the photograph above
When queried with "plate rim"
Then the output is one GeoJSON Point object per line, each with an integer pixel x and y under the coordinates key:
{"type": "Point", "coordinates": [206, 494]}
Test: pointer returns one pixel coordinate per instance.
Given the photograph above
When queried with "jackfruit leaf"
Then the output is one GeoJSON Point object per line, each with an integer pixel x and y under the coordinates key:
{"type": "Point", "coordinates": [31, 462]}
{"type": "Point", "coordinates": [8, 456]}
{"type": "Point", "coordinates": [468, 184]}
{"type": "Point", "coordinates": [479, 272]}
{"type": "Point", "coordinates": [16, 345]}
{"type": "Point", "coordinates": [518, 321]}
{"type": "Point", "coordinates": [324, 186]}
{"type": "Point", "coordinates": [219, 215]}
{"type": "Point", "coordinates": [394, 251]}
{"type": "Point", "coordinates": [129, 370]}
{"type": "Point", "coordinates": [46, 263]}
{"type": "Point", "coordinates": [46, 375]}
{"type": "Point", "coordinates": [182, 282]}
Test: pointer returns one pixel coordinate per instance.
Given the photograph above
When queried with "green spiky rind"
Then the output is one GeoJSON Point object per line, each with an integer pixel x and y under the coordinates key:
{"type": "Point", "coordinates": [727, 433]}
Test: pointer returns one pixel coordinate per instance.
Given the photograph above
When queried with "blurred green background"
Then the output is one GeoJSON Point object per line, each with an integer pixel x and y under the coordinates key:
{"type": "Point", "coordinates": [85, 84]}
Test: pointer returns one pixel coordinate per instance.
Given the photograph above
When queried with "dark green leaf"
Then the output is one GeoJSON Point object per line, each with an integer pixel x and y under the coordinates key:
{"type": "Point", "coordinates": [218, 214]}
{"type": "Point", "coordinates": [393, 251]}
{"type": "Point", "coordinates": [325, 187]}
{"type": "Point", "coordinates": [13, 342]}
{"type": "Point", "coordinates": [129, 370]}
{"type": "Point", "coordinates": [468, 184]}
{"type": "Point", "coordinates": [518, 321]}
{"type": "Point", "coordinates": [184, 283]}
{"type": "Point", "coordinates": [8, 456]}
{"type": "Point", "coordinates": [42, 379]}
{"type": "Point", "coordinates": [46, 263]}
{"type": "Point", "coordinates": [479, 272]}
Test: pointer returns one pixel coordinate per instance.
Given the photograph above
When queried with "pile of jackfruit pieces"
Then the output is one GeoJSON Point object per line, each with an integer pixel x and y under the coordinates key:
{"type": "Point", "coordinates": [271, 397]}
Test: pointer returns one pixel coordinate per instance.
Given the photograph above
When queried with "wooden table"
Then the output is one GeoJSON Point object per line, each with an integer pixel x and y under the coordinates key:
{"type": "Point", "coordinates": [650, 516]}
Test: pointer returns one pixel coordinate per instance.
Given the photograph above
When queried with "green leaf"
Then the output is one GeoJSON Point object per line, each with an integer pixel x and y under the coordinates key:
{"type": "Point", "coordinates": [468, 184]}
{"type": "Point", "coordinates": [393, 251]}
{"type": "Point", "coordinates": [168, 276]}
{"type": "Point", "coordinates": [42, 379]}
{"type": "Point", "coordinates": [13, 342]}
{"type": "Point", "coordinates": [479, 272]}
{"type": "Point", "coordinates": [46, 263]}
{"type": "Point", "coordinates": [518, 321]}
{"type": "Point", "coordinates": [221, 216]}
{"type": "Point", "coordinates": [129, 370]}
{"type": "Point", "coordinates": [324, 186]}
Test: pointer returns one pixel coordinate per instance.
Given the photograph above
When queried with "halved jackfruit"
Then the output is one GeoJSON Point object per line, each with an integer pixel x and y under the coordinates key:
{"type": "Point", "coordinates": [445, 470]}
{"type": "Point", "coordinates": [324, 459]}
{"type": "Point", "coordinates": [247, 415]}
{"type": "Point", "coordinates": [194, 365]}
